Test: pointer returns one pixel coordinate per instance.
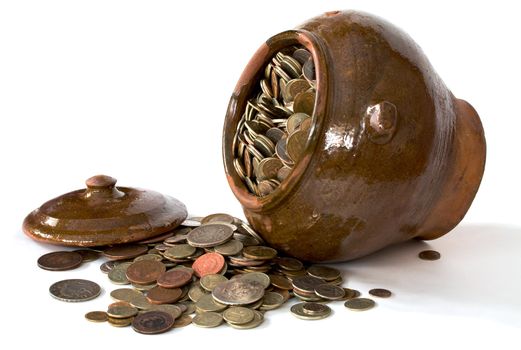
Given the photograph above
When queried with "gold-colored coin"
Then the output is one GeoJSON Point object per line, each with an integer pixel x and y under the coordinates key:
{"type": "Point", "coordinates": [259, 252]}
{"type": "Point", "coordinates": [196, 292]}
{"type": "Point", "coordinates": [182, 321]}
{"type": "Point", "coordinates": [298, 311]}
{"type": "Point", "coordinates": [124, 294]}
{"type": "Point", "coordinates": [271, 301]}
{"type": "Point", "coordinates": [121, 310]}
{"type": "Point", "coordinates": [120, 322]}
{"type": "Point", "coordinates": [208, 304]}
{"type": "Point", "coordinates": [360, 304]}
{"type": "Point", "coordinates": [258, 318]}
{"type": "Point", "coordinates": [238, 315]}
{"type": "Point", "coordinates": [232, 247]}
{"type": "Point", "coordinates": [207, 319]}
{"type": "Point", "coordinates": [208, 282]}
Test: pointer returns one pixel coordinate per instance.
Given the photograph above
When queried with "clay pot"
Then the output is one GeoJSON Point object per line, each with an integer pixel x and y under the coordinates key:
{"type": "Point", "coordinates": [392, 154]}
{"type": "Point", "coordinates": [103, 214]}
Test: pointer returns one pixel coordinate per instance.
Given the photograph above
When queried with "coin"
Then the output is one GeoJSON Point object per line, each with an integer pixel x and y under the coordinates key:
{"type": "Point", "coordinates": [380, 292]}
{"type": "Point", "coordinates": [271, 300]}
{"type": "Point", "coordinates": [120, 322]}
{"type": "Point", "coordinates": [209, 263]}
{"type": "Point", "coordinates": [145, 271]}
{"type": "Point", "coordinates": [258, 318]}
{"type": "Point", "coordinates": [140, 301]}
{"type": "Point", "coordinates": [231, 247]}
{"type": "Point", "coordinates": [324, 272]}
{"type": "Point", "coordinates": [179, 251]}
{"type": "Point", "coordinates": [88, 255]}
{"type": "Point", "coordinates": [182, 321]}
{"type": "Point", "coordinates": [196, 292]}
{"type": "Point", "coordinates": [108, 265]}
{"type": "Point", "coordinates": [121, 310]}
{"type": "Point", "coordinates": [296, 144]}
{"type": "Point", "coordinates": [350, 294]}
{"type": "Point", "coordinates": [304, 103]}
{"type": "Point", "coordinates": [290, 264]}
{"type": "Point", "coordinates": [160, 295]}
{"type": "Point", "coordinates": [175, 278]}
{"type": "Point", "coordinates": [96, 316]}
{"type": "Point", "coordinates": [429, 255]}
{"type": "Point", "coordinates": [306, 284]}
{"type": "Point", "coordinates": [123, 294]}
{"type": "Point", "coordinates": [359, 304]}
{"type": "Point", "coordinates": [174, 310]}
{"type": "Point", "coordinates": [299, 311]}
{"type": "Point", "coordinates": [207, 303]}
{"type": "Point", "coordinates": [219, 217]}
{"type": "Point", "coordinates": [118, 275]}
{"type": "Point", "coordinates": [209, 235]}
{"type": "Point", "coordinates": [329, 291]}
{"type": "Point", "coordinates": [238, 315]}
{"type": "Point", "coordinates": [209, 282]}
{"type": "Point", "coordinates": [259, 252]}
{"type": "Point", "coordinates": [75, 290]}
{"type": "Point", "coordinates": [128, 251]}
{"type": "Point", "coordinates": [153, 322]}
{"type": "Point", "coordinates": [207, 319]}
{"type": "Point", "coordinates": [259, 277]}
{"type": "Point", "coordinates": [60, 261]}
{"type": "Point", "coordinates": [268, 168]}
{"type": "Point", "coordinates": [280, 282]}
{"type": "Point", "coordinates": [238, 292]}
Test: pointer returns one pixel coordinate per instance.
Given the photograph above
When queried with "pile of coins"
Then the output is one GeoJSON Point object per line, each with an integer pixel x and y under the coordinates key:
{"type": "Point", "coordinates": [217, 268]}
{"type": "Point", "coordinates": [273, 131]}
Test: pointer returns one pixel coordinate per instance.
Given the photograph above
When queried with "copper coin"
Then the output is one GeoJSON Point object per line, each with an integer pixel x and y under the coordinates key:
{"type": "Point", "coordinates": [429, 255]}
{"type": "Point", "coordinates": [160, 295]}
{"type": "Point", "coordinates": [175, 278]}
{"type": "Point", "coordinates": [88, 255]}
{"type": "Point", "coordinates": [209, 263]}
{"type": "Point", "coordinates": [290, 264]}
{"type": "Point", "coordinates": [60, 261]}
{"type": "Point", "coordinates": [145, 271]}
{"type": "Point", "coordinates": [74, 290]}
{"type": "Point", "coordinates": [96, 316]}
{"type": "Point", "coordinates": [128, 251]}
{"type": "Point", "coordinates": [153, 322]}
{"type": "Point", "coordinates": [380, 292]}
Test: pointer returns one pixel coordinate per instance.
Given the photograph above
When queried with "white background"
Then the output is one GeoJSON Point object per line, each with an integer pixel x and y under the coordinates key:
{"type": "Point", "coordinates": [138, 90]}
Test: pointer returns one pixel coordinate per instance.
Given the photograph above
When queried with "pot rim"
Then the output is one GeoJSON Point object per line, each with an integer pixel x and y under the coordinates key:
{"type": "Point", "coordinates": [243, 91]}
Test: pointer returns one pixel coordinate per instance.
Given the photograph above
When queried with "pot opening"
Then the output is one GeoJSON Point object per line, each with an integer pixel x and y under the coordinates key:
{"type": "Point", "coordinates": [274, 118]}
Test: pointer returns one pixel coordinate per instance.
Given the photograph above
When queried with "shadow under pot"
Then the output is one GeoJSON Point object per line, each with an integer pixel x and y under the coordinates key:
{"type": "Point", "coordinates": [389, 154]}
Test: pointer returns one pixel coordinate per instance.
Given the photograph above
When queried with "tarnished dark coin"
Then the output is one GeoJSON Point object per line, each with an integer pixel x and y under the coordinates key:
{"type": "Point", "coordinates": [329, 291]}
{"type": "Point", "coordinates": [145, 271]}
{"type": "Point", "coordinates": [160, 295]}
{"type": "Point", "coordinates": [359, 304]}
{"type": "Point", "coordinates": [350, 293]}
{"type": "Point", "coordinates": [209, 235]}
{"type": "Point", "coordinates": [380, 292]}
{"type": "Point", "coordinates": [298, 311]}
{"type": "Point", "coordinates": [122, 252]}
{"type": "Point", "coordinates": [96, 316]}
{"type": "Point", "coordinates": [429, 255]}
{"type": "Point", "coordinates": [207, 319]}
{"type": "Point", "coordinates": [290, 264]}
{"type": "Point", "coordinates": [108, 265]}
{"type": "Point", "coordinates": [238, 292]}
{"type": "Point", "coordinates": [60, 261]}
{"type": "Point", "coordinates": [88, 255]}
{"type": "Point", "coordinates": [280, 282]}
{"type": "Point", "coordinates": [304, 103]}
{"type": "Point", "coordinates": [306, 284]}
{"type": "Point", "coordinates": [153, 322]}
{"type": "Point", "coordinates": [75, 290]}
{"type": "Point", "coordinates": [175, 278]}
{"type": "Point", "coordinates": [324, 272]}
{"type": "Point", "coordinates": [296, 144]}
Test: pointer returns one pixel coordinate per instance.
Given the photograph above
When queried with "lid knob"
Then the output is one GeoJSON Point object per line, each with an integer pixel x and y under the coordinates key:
{"type": "Point", "coordinates": [102, 186]}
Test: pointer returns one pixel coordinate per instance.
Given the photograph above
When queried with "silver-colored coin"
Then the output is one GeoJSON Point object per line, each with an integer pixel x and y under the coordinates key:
{"type": "Point", "coordinates": [75, 290]}
{"type": "Point", "coordinates": [209, 235]}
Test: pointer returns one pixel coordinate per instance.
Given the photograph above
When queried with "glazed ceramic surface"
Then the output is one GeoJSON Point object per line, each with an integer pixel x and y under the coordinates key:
{"type": "Point", "coordinates": [104, 214]}
{"type": "Point", "coordinates": [392, 154]}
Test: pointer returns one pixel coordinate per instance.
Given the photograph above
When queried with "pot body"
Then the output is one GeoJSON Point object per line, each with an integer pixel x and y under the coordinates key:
{"type": "Point", "coordinates": [392, 154]}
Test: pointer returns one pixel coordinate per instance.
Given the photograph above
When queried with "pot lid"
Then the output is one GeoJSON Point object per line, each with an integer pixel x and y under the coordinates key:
{"type": "Point", "coordinates": [104, 214]}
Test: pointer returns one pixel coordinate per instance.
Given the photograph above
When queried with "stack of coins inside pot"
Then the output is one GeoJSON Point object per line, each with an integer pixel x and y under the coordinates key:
{"type": "Point", "coordinates": [273, 131]}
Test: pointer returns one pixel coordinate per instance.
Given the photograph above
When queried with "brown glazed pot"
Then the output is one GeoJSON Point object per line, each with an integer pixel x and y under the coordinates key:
{"type": "Point", "coordinates": [103, 214]}
{"type": "Point", "coordinates": [392, 154]}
